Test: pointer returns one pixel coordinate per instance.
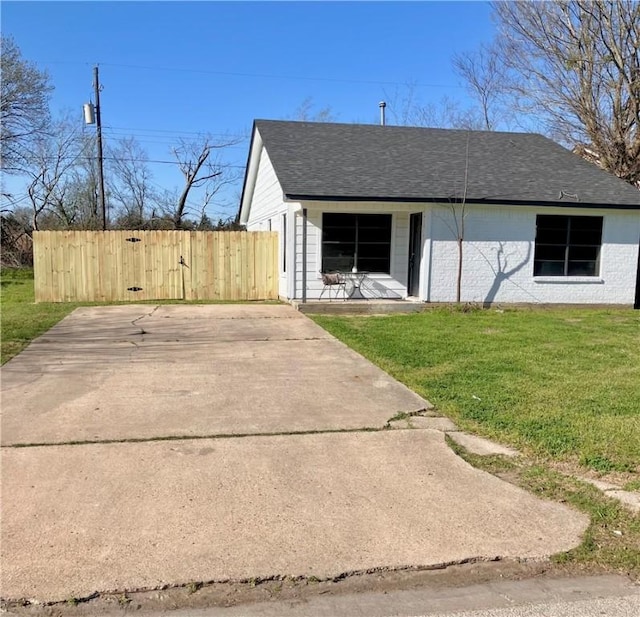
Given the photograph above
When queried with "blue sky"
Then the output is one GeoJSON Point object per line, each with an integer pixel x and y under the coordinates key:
{"type": "Point", "coordinates": [176, 69]}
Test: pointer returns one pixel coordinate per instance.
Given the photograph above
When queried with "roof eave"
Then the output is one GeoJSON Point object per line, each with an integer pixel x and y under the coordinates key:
{"type": "Point", "coordinates": [448, 199]}
{"type": "Point", "coordinates": [250, 176]}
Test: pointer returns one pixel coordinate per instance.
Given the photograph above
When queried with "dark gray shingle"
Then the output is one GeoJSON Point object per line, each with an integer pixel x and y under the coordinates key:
{"type": "Point", "coordinates": [370, 162]}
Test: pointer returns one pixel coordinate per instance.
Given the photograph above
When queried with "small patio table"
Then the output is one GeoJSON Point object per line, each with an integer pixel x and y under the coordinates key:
{"type": "Point", "coordinates": [356, 279]}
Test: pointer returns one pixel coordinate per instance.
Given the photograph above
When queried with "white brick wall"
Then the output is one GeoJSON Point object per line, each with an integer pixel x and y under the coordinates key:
{"type": "Point", "coordinates": [497, 252]}
{"type": "Point", "coordinates": [498, 258]}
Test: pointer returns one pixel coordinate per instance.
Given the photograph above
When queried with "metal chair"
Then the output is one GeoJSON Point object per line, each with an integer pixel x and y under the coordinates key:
{"type": "Point", "coordinates": [333, 279]}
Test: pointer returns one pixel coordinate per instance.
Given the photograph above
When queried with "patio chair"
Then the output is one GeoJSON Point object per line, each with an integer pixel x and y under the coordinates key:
{"type": "Point", "coordinates": [331, 280]}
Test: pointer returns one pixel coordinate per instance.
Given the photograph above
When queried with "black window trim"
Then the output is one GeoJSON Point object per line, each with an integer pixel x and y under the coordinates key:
{"type": "Point", "coordinates": [392, 218]}
{"type": "Point", "coordinates": [567, 244]}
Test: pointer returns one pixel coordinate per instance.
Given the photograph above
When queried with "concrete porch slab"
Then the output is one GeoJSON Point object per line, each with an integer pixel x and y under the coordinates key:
{"type": "Point", "coordinates": [358, 307]}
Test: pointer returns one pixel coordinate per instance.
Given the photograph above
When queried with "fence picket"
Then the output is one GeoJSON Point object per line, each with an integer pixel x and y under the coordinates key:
{"type": "Point", "coordinates": [101, 266]}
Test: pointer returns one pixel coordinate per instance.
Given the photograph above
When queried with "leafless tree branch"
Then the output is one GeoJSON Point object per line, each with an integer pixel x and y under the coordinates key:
{"type": "Point", "coordinates": [198, 167]}
{"type": "Point", "coordinates": [576, 65]}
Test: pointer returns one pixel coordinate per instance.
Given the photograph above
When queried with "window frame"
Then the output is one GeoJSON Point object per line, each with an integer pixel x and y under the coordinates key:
{"type": "Point", "coordinates": [356, 258]}
{"type": "Point", "coordinates": [571, 244]}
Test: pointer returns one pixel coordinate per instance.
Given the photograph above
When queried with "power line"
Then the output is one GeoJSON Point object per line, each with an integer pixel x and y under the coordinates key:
{"type": "Point", "coordinates": [263, 75]}
{"type": "Point", "coordinates": [170, 138]}
{"type": "Point", "coordinates": [160, 140]}
{"type": "Point", "coordinates": [128, 160]}
{"type": "Point", "coordinates": [271, 76]}
{"type": "Point", "coordinates": [133, 160]}
{"type": "Point", "coordinates": [174, 132]}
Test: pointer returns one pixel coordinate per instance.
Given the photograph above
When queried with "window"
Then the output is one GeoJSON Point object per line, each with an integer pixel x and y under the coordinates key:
{"type": "Point", "coordinates": [362, 241]}
{"type": "Point", "coordinates": [567, 245]}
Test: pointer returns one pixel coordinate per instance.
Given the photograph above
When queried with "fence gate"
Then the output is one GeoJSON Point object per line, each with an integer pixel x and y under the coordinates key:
{"type": "Point", "coordinates": [150, 265]}
{"type": "Point", "coordinates": [88, 266]}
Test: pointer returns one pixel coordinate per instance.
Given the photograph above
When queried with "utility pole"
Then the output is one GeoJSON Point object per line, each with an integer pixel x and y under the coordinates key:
{"type": "Point", "coordinates": [96, 86]}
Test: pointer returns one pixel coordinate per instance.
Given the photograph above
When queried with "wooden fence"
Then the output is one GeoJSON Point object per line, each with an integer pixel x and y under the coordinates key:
{"type": "Point", "coordinates": [102, 266]}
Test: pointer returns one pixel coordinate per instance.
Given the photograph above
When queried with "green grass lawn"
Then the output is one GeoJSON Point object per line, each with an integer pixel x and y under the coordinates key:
{"type": "Point", "coordinates": [21, 319]}
{"type": "Point", "coordinates": [557, 383]}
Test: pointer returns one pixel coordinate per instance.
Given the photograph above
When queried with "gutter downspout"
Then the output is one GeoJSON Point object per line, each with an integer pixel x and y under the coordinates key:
{"type": "Point", "coordinates": [304, 255]}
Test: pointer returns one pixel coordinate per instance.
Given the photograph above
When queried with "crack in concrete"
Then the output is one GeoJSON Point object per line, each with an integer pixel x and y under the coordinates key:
{"type": "Point", "coordinates": [7, 603]}
{"type": "Point", "coordinates": [150, 314]}
{"type": "Point", "coordinates": [83, 442]}
{"type": "Point", "coordinates": [404, 415]}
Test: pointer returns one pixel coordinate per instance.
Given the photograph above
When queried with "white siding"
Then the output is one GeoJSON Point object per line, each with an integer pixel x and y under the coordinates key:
{"type": "Point", "coordinates": [267, 209]}
{"type": "Point", "coordinates": [498, 258]}
{"type": "Point", "coordinates": [393, 285]}
{"type": "Point", "coordinates": [267, 196]}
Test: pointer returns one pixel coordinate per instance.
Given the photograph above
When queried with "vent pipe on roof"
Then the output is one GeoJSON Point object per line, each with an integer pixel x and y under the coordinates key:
{"type": "Point", "coordinates": [382, 105]}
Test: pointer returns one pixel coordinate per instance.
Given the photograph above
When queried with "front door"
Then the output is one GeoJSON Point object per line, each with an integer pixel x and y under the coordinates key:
{"type": "Point", "coordinates": [415, 254]}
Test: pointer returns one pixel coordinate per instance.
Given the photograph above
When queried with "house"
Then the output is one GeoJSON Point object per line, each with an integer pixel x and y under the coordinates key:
{"type": "Point", "coordinates": [539, 224]}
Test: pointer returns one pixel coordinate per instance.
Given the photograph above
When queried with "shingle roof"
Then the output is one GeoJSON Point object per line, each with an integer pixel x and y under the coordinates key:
{"type": "Point", "coordinates": [392, 163]}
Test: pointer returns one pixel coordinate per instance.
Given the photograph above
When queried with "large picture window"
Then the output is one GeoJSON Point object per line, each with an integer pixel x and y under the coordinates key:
{"type": "Point", "coordinates": [362, 241]}
{"type": "Point", "coordinates": [567, 245]}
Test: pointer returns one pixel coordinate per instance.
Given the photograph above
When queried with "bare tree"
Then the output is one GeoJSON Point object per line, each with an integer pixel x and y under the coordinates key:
{"type": "Point", "coordinates": [87, 178]}
{"type": "Point", "coordinates": [73, 207]}
{"type": "Point", "coordinates": [406, 109]}
{"type": "Point", "coordinates": [50, 163]}
{"type": "Point", "coordinates": [455, 220]}
{"type": "Point", "coordinates": [200, 165]}
{"type": "Point", "coordinates": [483, 75]}
{"type": "Point", "coordinates": [130, 182]}
{"type": "Point", "coordinates": [447, 114]}
{"type": "Point", "coordinates": [307, 112]}
{"type": "Point", "coordinates": [575, 65]}
{"type": "Point", "coordinates": [15, 238]}
{"type": "Point", "coordinates": [459, 222]}
{"type": "Point", "coordinates": [24, 105]}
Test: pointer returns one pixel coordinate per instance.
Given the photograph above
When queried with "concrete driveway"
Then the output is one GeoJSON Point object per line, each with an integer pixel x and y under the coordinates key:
{"type": "Point", "coordinates": [142, 372]}
{"type": "Point", "coordinates": [229, 442]}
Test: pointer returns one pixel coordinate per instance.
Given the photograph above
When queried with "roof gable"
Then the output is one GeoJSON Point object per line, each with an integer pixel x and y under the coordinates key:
{"type": "Point", "coordinates": [391, 163]}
